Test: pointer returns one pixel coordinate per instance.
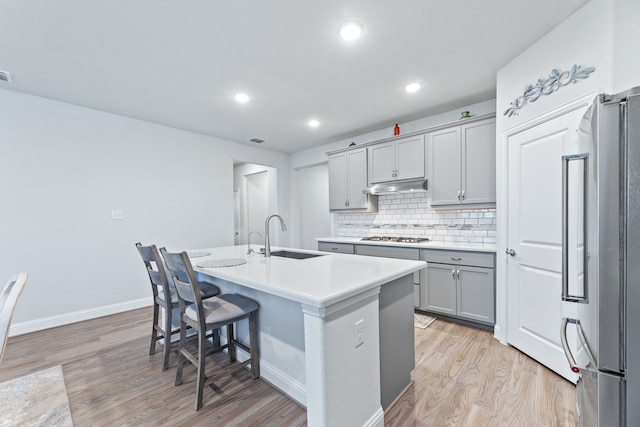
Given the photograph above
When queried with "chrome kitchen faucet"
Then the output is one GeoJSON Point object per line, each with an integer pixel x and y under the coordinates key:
{"type": "Point", "coordinates": [267, 242]}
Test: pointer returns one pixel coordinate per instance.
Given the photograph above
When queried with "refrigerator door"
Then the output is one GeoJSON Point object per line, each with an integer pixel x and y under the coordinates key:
{"type": "Point", "coordinates": [591, 251]}
{"type": "Point", "coordinates": [632, 266]}
{"type": "Point", "coordinates": [579, 243]}
{"type": "Point", "coordinates": [600, 400]}
{"type": "Point", "coordinates": [591, 243]}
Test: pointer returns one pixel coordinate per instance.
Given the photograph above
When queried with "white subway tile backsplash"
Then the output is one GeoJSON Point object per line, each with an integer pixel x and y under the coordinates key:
{"type": "Point", "coordinates": [411, 215]}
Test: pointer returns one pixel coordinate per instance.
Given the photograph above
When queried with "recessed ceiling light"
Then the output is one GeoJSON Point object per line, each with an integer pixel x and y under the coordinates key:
{"type": "Point", "coordinates": [412, 87]}
{"type": "Point", "coordinates": [241, 97]}
{"type": "Point", "coordinates": [313, 123]}
{"type": "Point", "coordinates": [351, 30]}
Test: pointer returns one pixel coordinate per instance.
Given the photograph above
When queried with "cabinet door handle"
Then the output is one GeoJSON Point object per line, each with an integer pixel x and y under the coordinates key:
{"type": "Point", "coordinates": [458, 195]}
{"type": "Point", "coordinates": [463, 195]}
{"type": "Point", "coordinates": [453, 274]}
{"type": "Point", "coordinates": [456, 258]}
{"type": "Point", "coordinates": [458, 274]}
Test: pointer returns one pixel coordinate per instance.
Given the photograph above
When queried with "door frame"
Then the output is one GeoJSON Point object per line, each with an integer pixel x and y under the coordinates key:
{"type": "Point", "coordinates": [502, 199]}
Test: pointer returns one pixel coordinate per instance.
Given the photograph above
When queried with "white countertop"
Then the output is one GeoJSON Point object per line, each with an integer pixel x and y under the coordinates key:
{"type": "Point", "coordinates": [453, 246]}
{"type": "Point", "coordinates": [318, 281]}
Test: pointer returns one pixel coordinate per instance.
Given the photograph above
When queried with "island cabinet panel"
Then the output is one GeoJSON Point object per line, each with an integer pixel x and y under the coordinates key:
{"type": "Point", "coordinates": [395, 252]}
{"type": "Point", "coordinates": [398, 160]}
{"type": "Point", "coordinates": [463, 163]}
{"type": "Point", "coordinates": [347, 179]}
{"type": "Point", "coordinates": [340, 248]}
{"type": "Point", "coordinates": [460, 284]}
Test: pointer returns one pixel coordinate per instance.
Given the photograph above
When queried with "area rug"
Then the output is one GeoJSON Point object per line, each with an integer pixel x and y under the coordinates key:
{"type": "Point", "coordinates": [422, 321]}
{"type": "Point", "coordinates": [38, 399]}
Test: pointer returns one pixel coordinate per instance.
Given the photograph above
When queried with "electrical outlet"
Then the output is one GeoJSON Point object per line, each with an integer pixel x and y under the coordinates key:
{"type": "Point", "coordinates": [117, 214]}
{"type": "Point", "coordinates": [359, 333]}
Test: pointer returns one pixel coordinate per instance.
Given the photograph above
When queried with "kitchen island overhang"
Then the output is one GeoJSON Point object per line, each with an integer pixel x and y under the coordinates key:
{"type": "Point", "coordinates": [336, 331]}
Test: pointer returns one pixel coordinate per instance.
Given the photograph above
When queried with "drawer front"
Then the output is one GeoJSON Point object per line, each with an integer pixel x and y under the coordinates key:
{"type": "Point", "coordinates": [341, 248]}
{"type": "Point", "coordinates": [388, 252]}
{"type": "Point", "coordinates": [474, 259]}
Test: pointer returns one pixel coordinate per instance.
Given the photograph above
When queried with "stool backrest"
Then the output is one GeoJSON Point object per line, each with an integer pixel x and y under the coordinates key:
{"type": "Point", "coordinates": [8, 300]}
{"type": "Point", "coordinates": [155, 268]}
{"type": "Point", "coordinates": [181, 272]}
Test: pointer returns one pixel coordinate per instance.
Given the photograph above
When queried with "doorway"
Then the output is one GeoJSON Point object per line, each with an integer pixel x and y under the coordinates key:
{"type": "Point", "coordinates": [255, 195]}
{"type": "Point", "coordinates": [313, 219]}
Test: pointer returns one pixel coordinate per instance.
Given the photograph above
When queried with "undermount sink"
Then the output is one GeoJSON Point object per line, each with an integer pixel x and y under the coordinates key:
{"type": "Point", "coordinates": [294, 255]}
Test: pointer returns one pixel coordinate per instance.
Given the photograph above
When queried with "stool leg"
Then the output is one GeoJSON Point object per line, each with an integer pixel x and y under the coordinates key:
{"type": "Point", "coordinates": [231, 342]}
{"type": "Point", "coordinates": [253, 343]}
{"type": "Point", "coordinates": [202, 337]}
{"type": "Point", "coordinates": [167, 338]}
{"type": "Point", "coordinates": [181, 346]}
{"type": "Point", "coordinates": [154, 329]}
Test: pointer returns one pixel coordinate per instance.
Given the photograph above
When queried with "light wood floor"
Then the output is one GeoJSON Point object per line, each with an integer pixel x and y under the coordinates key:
{"type": "Point", "coordinates": [463, 377]}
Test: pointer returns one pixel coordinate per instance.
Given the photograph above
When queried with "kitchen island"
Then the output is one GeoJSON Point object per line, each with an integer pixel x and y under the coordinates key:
{"type": "Point", "coordinates": [336, 331]}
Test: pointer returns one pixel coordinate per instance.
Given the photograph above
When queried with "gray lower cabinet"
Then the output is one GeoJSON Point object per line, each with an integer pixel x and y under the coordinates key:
{"type": "Point", "coordinates": [394, 252]}
{"type": "Point", "coordinates": [455, 283]}
{"type": "Point", "coordinates": [460, 284]}
{"type": "Point", "coordinates": [339, 248]}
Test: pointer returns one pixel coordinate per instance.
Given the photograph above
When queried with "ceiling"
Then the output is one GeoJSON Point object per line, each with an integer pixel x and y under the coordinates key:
{"type": "Point", "coordinates": [179, 63]}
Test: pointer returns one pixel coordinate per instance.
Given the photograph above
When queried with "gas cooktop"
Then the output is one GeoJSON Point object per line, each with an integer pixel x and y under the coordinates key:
{"type": "Point", "coordinates": [395, 239]}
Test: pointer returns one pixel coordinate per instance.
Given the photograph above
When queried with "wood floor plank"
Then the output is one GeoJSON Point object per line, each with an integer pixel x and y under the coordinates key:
{"type": "Point", "coordinates": [463, 377]}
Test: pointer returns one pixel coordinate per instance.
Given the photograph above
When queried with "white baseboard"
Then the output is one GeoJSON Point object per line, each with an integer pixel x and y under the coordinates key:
{"type": "Point", "coordinates": [278, 379]}
{"type": "Point", "coordinates": [76, 316]}
{"type": "Point", "coordinates": [376, 420]}
{"type": "Point", "coordinates": [284, 383]}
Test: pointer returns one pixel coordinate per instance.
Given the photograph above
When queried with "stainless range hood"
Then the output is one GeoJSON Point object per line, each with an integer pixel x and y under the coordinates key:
{"type": "Point", "coordinates": [397, 187]}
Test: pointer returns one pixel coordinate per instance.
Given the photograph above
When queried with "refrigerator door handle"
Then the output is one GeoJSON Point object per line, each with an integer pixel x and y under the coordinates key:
{"type": "Point", "coordinates": [571, 165]}
{"type": "Point", "coordinates": [567, 350]}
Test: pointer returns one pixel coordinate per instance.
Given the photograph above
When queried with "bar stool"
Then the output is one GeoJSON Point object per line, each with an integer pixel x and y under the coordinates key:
{"type": "Point", "coordinates": [209, 314]}
{"type": "Point", "coordinates": [164, 296]}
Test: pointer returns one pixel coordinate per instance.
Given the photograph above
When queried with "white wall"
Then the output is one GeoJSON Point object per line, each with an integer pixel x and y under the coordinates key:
{"type": "Point", "coordinates": [585, 38]}
{"type": "Point", "coordinates": [63, 169]}
{"type": "Point", "coordinates": [626, 61]}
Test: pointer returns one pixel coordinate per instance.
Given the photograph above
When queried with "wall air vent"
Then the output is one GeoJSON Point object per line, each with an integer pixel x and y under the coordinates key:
{"type": "Point", "coordinates": [5, 76]}
{"type": "Point", "coordinates": [257, 140]}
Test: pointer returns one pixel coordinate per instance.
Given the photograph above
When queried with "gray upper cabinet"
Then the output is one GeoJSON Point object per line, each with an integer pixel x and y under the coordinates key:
{"type": "Point", "coordinates": [463, 164]}
{"type": "Point", "coordinates": [347, 179]}
{"type": "Point", "coordinates": [397, 160]}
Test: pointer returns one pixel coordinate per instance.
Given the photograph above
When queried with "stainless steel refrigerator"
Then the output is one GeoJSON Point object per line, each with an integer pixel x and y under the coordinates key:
{"type": "Point", "coordinates": [601, 261]}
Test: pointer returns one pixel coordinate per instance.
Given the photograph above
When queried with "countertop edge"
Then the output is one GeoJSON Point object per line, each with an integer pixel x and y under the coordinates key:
{"type": "Point", "coordinates": [436, 245]}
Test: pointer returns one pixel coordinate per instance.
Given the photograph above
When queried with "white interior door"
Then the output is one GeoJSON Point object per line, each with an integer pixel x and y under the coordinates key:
{"type": "Point", "coordinates": [534, 212]}
{"type": "Point", "coordinates": [257, 202]}
{"type": "Point", "coordinates": [312, 194]}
